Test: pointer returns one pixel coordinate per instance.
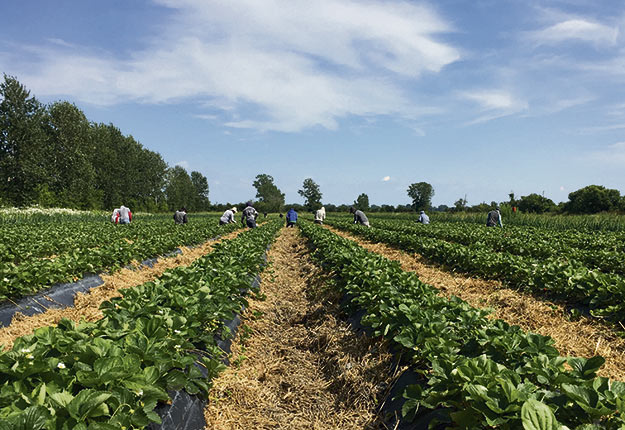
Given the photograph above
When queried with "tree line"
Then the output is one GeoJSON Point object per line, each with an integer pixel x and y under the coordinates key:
{"type": "Point", "coordinates": [53, 156]}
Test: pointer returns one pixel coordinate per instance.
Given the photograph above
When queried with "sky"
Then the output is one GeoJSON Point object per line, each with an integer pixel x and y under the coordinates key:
{"type": "Point", "coordinates": [479, 98]}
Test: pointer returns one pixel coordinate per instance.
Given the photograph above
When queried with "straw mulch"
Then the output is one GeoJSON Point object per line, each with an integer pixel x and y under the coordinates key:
{"type": "Point", "coordinates": [295, 363]}
{"type": "Point", "coordinates": [86, 305]}
{"type": "Point", "coordinates": [582, 338]}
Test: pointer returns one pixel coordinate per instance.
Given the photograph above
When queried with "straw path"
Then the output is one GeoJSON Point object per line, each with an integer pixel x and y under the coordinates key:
{"type": "Point", "coordinates": [295, 363]}
{"type": "Point", "coordinates": [86, 305]}
{"type": "Point", "coordinates": [582, 338]}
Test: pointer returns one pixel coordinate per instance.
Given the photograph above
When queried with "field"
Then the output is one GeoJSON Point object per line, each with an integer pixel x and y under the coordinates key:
{"type": "Point", "coordinates": [452, 324]}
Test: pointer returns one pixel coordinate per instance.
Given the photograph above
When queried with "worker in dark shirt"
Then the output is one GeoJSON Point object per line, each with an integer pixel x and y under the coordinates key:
{"type": "Point", "coordinates": [493, 219]}
{"type": "Point", "coordinates": [180, 216]}
{"type": "Point", "coordinates": [359, 217]}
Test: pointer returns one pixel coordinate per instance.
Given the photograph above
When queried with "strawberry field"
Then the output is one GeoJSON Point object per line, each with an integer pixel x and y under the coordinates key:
{"type": "Point", "coordinates": [160, 336]}
{"type": "Point", "coordinates": [35, 255]}
{"type": "Point", "coordinates": [468, 370]}
{"type": "Point", "coordinates": [585, 269]}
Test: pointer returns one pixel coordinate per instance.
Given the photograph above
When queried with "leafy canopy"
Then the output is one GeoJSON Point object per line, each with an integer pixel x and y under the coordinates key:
{"type": "Point", "coordinates": [271, 199]}
{"type": "Point", "coordinates": [421, 194]}
{"type": "Point", "coordinates": [311, 193]}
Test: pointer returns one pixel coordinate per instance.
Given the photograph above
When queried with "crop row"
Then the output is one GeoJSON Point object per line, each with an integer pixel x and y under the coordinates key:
{"type": "Point", "coordinates": [22, 242]}
{"type": "Point", "coordinates": [606, 253]}
{"type": "Point", "coordinates": [602, 293]}
{"type": "Point", "coordinates": [110, 374]}
{"type": "Point", "coordinates": [479, 373]}
{"type": "Point", "coordinates": [95, 248]}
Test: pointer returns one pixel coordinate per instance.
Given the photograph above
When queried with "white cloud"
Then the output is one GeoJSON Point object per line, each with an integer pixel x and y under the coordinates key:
{"type": "Point", "coordinates": [386, 178]}
{"type": "Point", "coordinates": [494, 104]}
{"type": "Point", "coordinates": [278, 65]}
{"type": "Point", "coordinates": [491, 99]}
{"type": "Point", "coordinates": [576, 29]}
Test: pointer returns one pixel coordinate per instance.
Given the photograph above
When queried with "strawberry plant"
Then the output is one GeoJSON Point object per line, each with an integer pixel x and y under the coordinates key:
{"type": "Point", "coordinates": [562, 277]}
{"type": "Point", "coordinates": [157, 337]}
{"type": "Point", "coordinates": [33, 257]}
{"type": "Point", "coordinates": [479, 373]}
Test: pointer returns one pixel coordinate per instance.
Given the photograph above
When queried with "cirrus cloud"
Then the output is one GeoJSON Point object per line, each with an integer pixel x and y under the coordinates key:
{"type": "Point", "coordinates": [281, 65]}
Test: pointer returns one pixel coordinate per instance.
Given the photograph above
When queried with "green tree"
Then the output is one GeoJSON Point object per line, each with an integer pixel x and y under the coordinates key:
{"type": "Point", "coordinates": [126, 172]}
{"type": "Point", "coordinates": [362, 202]}
{"type": "Point", "coordinates": [535, 203]}
{"type": "Point", "coordinates": [71, 176]}
{"type": "Point", "coordinates": [23, 144]}
{"type": "Point", "coordinates": [179, 189]}
{"type": "Point", "coordinates": [593, 199]}
{"type": "Point", "coordinates": [108, 162]}
{"type": "Point", "coordinates": [312, 195]}
{"type": "Point", "coordinates": [270, 197]}
{"type": "Point", "coordinates": [421, 194]}
{"type": "Point", "coordinates": [460, 205]}
{"type": "Point", "coordinates": [200, 184]}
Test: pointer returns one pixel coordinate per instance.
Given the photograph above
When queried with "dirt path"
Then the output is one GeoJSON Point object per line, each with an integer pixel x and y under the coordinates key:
{"type": "Point", "coordinates": [86, 305]}
{"type": "Point", "coordinates": [295, 364]}
{"type": "Point", "coordinates": [582, 338]}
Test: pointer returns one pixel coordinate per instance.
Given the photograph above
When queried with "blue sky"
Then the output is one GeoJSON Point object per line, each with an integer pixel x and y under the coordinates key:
{"type": "Point", "coordinates": [477, 97]}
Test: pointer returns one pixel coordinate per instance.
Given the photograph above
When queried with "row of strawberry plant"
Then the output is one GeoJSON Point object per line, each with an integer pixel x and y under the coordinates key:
{"type": "Point", "coordinates": [126, 243]}
{"type": "Point", "coordinates": [110, 374]}
{"type": "Point", "coordinates": [607, 255]}
{"type": "Point", "coordinates": [23, 242]}
{"type": "Point", "coordinates": [576, 238]}
{"type": "Point", "coordinates": [478, 372]}
{"type": "Point", "coordinates": [602, 293]}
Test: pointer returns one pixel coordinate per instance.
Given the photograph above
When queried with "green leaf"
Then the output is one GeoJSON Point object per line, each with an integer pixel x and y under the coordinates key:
{"type": "Point", "coordinates": [583, 396]}
{"type": "Point", "coordinates": [33, 418]}
{"type": "Point", "coordinates": [587, 368]}
{"type": "Point", "coordinates": [538, 416]}
{"type": "Point", "coordinates": [41, 397]}
{"type": "Point", "coordinates": [63, 399]}
{"type": "Point", "coordinates": [89, 403]}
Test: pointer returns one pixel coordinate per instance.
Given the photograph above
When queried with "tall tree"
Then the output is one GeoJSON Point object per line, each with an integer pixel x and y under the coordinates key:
{"type": "Point", "coordinates": [312, 195]}
{"type": "Point", "coordinates": [200, 184]}
{"type": "Point", "coordinates": [71, 176]}
{"type": "Point", "coordinates": [179, 189]}
{"type": "Point", "coordinates": [108, 160]}
{"type": "Point", "coordinates": [271, 199]}
{"type": "Point", "coordinates": [126, 172]}
{"type": "Point", "coordinates": [23, 146]}
{"type": "Point", "coordinates": [421, 194]}
{"type": "Point", "coordinates": [362, 202]}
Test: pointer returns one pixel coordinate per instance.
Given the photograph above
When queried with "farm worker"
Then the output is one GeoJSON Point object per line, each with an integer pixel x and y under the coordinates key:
{"type": "Point", "coordinates": [125, 216]}
{"type": "Point", "coordinates": [228, 216]}
{"type": "Point", "coordinates": [115, 216]}
{"type": "Point", "coordinates": [359, 217]}
{"type": "Point", "coordinates": [291, 218]}
{"type": "Point", "coordinates": [320, 215]}
{"type": "Point", "coordinates": [494, 218]}
{"type": "Point", "coordinates": [248, 216]}
{"type": "Point", "coordinates": [423, 218]}
{"type": "Point", "coordinates": [180, 216]}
